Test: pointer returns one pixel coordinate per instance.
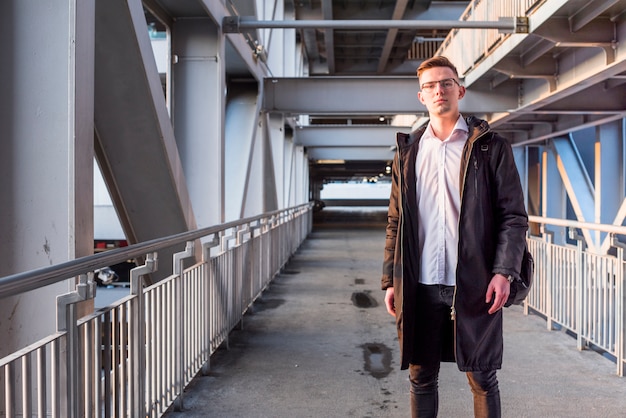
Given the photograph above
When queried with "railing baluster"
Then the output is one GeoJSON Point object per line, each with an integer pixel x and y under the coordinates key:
{"type": "Point", "coordinates": [26, 386]}
{"type": "Point", "coordinates": [9, 393]}
{"type": "Point", "coordinates": [41, 382]}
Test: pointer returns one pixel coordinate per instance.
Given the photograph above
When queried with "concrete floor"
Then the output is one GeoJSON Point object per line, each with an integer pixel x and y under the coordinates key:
{"type": "Point", "coordinates": [319, 343]}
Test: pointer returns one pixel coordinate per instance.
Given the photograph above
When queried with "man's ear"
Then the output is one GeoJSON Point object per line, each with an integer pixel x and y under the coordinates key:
{"type": "Point", "coordinates": [419, 97]}
{"type": "Point", "coordinates": [461, 92]}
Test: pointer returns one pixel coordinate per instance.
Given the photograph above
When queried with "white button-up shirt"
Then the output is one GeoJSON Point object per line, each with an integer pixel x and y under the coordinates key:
{"type": "Point", "coordinates": [437, 170]}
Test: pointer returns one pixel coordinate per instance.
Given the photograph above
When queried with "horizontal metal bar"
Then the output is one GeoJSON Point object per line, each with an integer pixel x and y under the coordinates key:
{"type": "Point", "coordinates": [383, 203]}
{"type": "Point", "coordinates": [34, 279]}
{"type": "Point", "coordinates": [613, 229]}
{"type": "Point", "coordinates": [325, 95]}
{"type": "Point", "coordinates": [234, 24]}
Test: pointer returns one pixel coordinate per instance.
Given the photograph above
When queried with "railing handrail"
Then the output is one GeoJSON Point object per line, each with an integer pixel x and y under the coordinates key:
{"type": "Point", "coordinates": [613, 229]}
{"type": "Point", "coordinates": [30, 280]}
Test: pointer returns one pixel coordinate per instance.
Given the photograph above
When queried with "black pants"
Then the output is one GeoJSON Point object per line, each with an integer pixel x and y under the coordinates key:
{"type": "Point", "coordinates": [424, 378]}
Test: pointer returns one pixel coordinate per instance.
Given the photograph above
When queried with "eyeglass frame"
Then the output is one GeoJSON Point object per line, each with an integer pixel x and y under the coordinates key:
{"type": "Point", "coordinates": [430, 89]}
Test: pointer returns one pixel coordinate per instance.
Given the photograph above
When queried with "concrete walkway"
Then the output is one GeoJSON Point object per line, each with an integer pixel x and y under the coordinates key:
{"type": "Point", "coordinates": [319, 343]}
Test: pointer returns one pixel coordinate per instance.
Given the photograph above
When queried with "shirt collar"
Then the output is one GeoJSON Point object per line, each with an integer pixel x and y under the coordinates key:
{"type": "Point", "coordinates": [461, 125]}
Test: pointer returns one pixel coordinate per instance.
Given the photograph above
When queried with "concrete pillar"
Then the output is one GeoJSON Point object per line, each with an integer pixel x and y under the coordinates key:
{"type": "Point", "coordinates": [46, 163]}
{"type": "Point", "coordinates": [198, 113]}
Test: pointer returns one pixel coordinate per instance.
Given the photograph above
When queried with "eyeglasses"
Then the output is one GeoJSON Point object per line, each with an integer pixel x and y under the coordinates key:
{"type": "Point", "coordinates": [446, 84]}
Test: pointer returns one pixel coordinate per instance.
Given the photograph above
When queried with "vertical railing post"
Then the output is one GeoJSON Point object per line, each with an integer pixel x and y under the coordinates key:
{"type": "Point", "coordinates": [137, 323]}
{"type": "Point", "coordinates": [620, 296]}
{"type": "Point", "coordinates": [180, 345]}
{"type": "Point", "coordinates": [71, 402]}
{"type": "Point", "coordinates": [228, 288]}
{"type": "Point", "coordinates": [206, 260]}
{"type": "Point", "coordinates": [243, 235]}
{"type": "Point", "coordinates": [580, 327]}
{"type": "Point", "coordinates": [549, 280]}
{"type": "Point", "coordinates": [256, 259]}
{"type": "Point", "coordinates": [525, 305]}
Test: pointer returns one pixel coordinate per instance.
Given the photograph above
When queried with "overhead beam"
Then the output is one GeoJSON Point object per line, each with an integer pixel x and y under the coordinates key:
{"type": "Point", "coordinates": [348, 135]}
{"type": "Point", "coordinates": [588, 12]}
{"type": "Point", "coordinates": [329, 36]}
{"type": "Point", "coordinates": [370, 95]}
{"type": "Point", "coordinates": [351, 153]}
{"type": "Point", "coordinates": [235, 24]}
{"type": "Point", "coordinates": [442, 10]}
{"type": "Point", "coordinates": [398, 13]}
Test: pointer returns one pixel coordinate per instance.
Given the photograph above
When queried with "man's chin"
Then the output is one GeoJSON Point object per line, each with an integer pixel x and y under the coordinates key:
{"type": "Point", "coordinates": [442, 111]}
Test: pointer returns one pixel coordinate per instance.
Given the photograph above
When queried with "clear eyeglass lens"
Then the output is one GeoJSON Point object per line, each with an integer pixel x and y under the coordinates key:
{"type": "Point", "coordinates": [447, 84]}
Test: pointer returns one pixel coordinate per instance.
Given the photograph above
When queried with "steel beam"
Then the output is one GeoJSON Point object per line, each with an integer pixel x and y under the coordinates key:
{"type": "Point", "coordinates": [576, 182]}
{"type": "Point", "coordinates": [370, 95]}
{"type": "Point", "coordinates": [348, 135]}
{"type": "Point", "coordinates": [234, 24]}
{"type": "Point", "coordinates": [351, 153]}
{"type": "Point", "coordinates": [135, 144]}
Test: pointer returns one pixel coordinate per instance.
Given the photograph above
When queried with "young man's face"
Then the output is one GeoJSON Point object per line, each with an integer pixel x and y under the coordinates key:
{"type": "Point", "coordinates": [440, 92]}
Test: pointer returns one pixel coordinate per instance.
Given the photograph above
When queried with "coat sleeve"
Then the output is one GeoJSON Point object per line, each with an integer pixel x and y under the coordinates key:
{"type": "Point", "coordinates": [510, 211]}
{"type": "Point", "coordinates": [393, 220]}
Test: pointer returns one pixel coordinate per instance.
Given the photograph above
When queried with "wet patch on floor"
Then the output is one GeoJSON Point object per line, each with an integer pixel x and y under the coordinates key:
{"type": "Point", "coordinates": [363, 300]}
{"type": "Point", "coordinates": [265, 304]}
{"type": "Point", "coordinates": [377, 359]}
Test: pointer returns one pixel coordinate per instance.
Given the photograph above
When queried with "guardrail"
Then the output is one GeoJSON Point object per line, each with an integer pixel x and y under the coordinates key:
{"type": "Point", "coordinates": [467, 47]}
{"type": "Point", "coordinates": [135, 356]}
{"type": "Point", "coordinates": [581, 291]}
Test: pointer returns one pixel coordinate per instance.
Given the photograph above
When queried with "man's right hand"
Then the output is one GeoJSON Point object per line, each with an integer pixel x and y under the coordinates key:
{"type": "Point", "coordinates": [389, 302]}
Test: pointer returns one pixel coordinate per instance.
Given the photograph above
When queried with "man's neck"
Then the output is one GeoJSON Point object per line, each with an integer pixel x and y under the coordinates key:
{"type": "Point", "coordinates": [442, 126]}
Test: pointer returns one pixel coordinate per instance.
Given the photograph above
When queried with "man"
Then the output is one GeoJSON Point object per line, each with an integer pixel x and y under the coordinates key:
{"type": "Point", "coordinates": [455, 239]}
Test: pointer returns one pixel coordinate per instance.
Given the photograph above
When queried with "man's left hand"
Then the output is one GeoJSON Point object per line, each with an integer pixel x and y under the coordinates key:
{"type": "Point", "coordinates": [498, 291]}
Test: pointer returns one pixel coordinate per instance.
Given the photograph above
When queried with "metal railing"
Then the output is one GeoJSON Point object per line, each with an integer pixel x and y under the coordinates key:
{"type": "Point", "coordinates": [581, 291]}
{"type": "Point", "coordinates": [467, 47]}
{"type": "Point", "coordinates": [134, 357]}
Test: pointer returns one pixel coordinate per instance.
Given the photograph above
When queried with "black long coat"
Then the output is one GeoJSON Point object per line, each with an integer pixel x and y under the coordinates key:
{"type": "Point", "coordinates": [492, 236]}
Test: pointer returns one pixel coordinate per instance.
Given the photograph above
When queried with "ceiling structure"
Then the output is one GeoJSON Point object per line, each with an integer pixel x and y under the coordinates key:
{"type": "Point", "coordinates": [541, 68]}
{"type": "Point", "coordinates": [367, 51]}
{"type": "Point", "coordinates": [567, 71]}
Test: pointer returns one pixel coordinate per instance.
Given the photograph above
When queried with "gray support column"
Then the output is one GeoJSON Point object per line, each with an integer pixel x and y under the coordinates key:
{"type": "Point", "coordinates": [554, 196]}
{"type": "Point", "coordinates": [610, 138]}
{"type": "Point", "coordinates": [198, 113]}
{"type": "Point", "coordinates": [241, 132]}
{"type": "Point", "coordinates": [296, 183]}
{"type": "Point", "coordinates": [46, 160]}
{"type": "Point", "coordinates": [273, 162]}
{"type": "Point", "coordinates": [609, 184]}
{"type": "Point", "coordinates": [521, 161]}
{"type": "Point", "coordinates": [281, 156]}
{"type": "Point", "coordinates": [301, 178]}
